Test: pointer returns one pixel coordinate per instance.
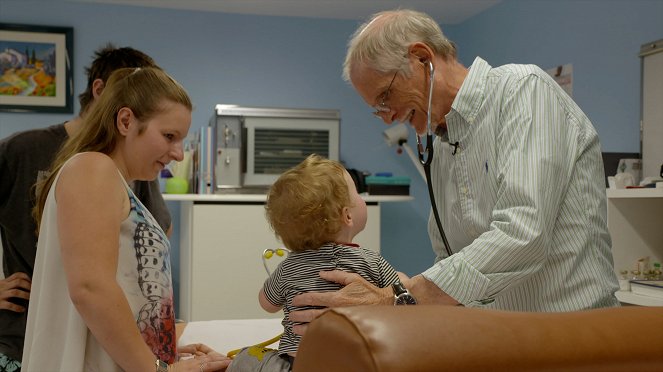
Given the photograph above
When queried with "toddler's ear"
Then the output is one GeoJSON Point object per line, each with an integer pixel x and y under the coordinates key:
{"type": "Point", "coordinates": [347, 216]}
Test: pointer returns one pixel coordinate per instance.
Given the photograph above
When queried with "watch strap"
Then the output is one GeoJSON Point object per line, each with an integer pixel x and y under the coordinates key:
{"type": "Point", "coordinates": [398, 289]}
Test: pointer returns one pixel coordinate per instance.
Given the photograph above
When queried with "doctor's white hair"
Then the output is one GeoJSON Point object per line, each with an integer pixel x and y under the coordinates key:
{"type": "Point", "coordinates": [382, 42]}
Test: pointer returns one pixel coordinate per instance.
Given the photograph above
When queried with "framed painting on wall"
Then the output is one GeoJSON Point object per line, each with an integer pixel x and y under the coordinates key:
{"type": "Point", "coordinates": [36, 68]}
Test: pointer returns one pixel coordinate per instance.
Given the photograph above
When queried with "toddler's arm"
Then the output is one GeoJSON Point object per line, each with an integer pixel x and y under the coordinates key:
{"type": "Point", "coordinates": [264, 302]}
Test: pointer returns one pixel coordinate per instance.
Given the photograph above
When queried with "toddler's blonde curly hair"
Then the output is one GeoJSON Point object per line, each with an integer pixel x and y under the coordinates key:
{"type": "Point", "coordinates": [305, 205]}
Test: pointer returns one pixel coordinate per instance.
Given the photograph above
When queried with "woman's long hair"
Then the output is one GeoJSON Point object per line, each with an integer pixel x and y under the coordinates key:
{"type": "Point", "coordinates": [143, 90]}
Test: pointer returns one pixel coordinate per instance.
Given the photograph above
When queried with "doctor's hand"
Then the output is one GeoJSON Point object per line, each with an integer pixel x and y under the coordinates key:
{"type": "Point", "coordinates": [356, 291]}
{"type": "Point", "coordinates": [16, 288]}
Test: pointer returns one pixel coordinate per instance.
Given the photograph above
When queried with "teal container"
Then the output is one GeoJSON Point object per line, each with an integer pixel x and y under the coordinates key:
{"type": "Point", "coordinates": [392, 185]}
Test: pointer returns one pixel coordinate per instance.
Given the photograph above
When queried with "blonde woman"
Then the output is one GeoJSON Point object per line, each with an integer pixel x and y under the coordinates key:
{"type": "Point", "coordinates": [102, 297]}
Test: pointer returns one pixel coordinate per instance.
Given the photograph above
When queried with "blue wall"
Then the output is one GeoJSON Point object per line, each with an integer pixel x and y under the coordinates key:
{"type": "Point", "coordinates": [601, 38]}
{"type": "Point", "coordinates": [296, 62]}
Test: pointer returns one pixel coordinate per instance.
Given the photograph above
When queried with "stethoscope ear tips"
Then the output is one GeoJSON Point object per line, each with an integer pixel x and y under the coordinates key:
{"type": "Point", "coordinates": [269, 253]}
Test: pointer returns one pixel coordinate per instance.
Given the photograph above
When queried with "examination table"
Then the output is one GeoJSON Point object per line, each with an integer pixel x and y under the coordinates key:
{"type": "Point", "coordinates": [440, 338]}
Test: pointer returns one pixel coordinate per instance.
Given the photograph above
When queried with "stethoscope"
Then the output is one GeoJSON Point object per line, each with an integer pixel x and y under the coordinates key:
{"type": "Point", "coordinates": [269, 253]}
{"type": "Point", "coordinates": [426, 161]}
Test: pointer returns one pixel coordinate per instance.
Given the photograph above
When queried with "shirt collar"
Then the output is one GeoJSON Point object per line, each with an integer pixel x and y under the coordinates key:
{"type": "Point", "coordinates": [471, 94]}
{"type": "Point", "coordinates": [347, 244]}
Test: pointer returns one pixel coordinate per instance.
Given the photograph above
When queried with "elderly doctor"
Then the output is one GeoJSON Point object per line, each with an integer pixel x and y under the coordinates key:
{"type": "Point", "coordinates": [516, 171]}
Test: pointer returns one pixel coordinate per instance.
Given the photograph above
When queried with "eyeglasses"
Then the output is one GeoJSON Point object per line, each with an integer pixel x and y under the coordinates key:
{"type": "Point", "coordinates": [381, 108]}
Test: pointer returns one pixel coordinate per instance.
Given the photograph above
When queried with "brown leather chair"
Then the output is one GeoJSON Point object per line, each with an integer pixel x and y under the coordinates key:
{"type": "Point", "coordinates": [441, 338]}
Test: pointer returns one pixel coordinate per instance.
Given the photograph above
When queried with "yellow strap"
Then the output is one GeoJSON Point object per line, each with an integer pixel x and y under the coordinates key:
{"type": "Point", "coordinates": [232, 353]}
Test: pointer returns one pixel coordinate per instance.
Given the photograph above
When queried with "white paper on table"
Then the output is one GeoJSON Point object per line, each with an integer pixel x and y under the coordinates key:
{"type": "Point", "coordinates": [226, 335]}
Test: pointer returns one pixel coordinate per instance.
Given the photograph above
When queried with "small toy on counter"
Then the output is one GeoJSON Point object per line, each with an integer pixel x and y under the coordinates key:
{"type": "Point", "coordinates": [641, 275]}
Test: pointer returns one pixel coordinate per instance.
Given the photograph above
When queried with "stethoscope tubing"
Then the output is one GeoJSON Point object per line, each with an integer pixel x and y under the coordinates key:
{"type": "Point", "coordinates": [426, 161]}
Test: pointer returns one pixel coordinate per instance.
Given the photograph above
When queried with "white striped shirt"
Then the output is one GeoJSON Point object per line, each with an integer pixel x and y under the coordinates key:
{"type": "Point", "coordinates": [299, 273]}
{"type": "Point", "coordinates": [523, 200]}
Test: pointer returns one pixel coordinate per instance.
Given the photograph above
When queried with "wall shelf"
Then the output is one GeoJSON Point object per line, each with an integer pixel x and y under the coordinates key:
{"type": "Point", "coordinates": [635, 222]}
{"type": "Point", "coordinates": [634, 193]}
{"type": "Point", "coordinates": [636, 299]}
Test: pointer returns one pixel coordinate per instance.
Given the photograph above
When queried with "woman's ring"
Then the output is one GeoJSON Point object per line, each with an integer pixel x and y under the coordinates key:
{"type": "Point", "coordinates": [202, 366]}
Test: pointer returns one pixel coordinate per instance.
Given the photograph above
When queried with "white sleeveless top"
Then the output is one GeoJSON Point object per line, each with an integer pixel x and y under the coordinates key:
{"type": "Point", "coordinates": [56, 337]}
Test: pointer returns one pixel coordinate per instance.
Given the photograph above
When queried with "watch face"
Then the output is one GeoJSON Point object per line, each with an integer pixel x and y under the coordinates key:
{"type": "Point", "coordinates": [405, 299]}
{"type": "Point", "coordinates": [401, 295]}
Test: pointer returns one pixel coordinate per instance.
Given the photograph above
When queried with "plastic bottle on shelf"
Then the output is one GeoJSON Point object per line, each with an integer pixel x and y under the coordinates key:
{"type": "Point", "coordinates": [624, 283]}
{"type": "Point", "coordinates": [657, 274]}
{"type": "Point", "coordinates": [643, 267]}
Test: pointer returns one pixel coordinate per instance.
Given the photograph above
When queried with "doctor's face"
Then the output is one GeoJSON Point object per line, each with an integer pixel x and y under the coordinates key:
{"type": "Point", "coordinates": [396, 97]}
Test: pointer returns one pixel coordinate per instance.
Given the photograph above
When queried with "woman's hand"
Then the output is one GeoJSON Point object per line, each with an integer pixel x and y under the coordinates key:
{"type": "Point", "coordinates": [195, 350]}
{"type": "Point", "coordinates": [356, 291]}
{"type": "Point", "coordinates": [198, 358]}
{"type": "Point", "coordinates": [16, 286]}
{"type": "Point", "coordinates": [207, 363]}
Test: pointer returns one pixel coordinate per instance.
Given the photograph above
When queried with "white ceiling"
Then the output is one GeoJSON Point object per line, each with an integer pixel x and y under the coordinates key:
{"type": "Point", "coordinates": [444, 11]}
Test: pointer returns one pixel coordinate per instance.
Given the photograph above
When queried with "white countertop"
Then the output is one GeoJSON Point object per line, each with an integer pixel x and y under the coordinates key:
{"type": "Point", "coordinates": [263, 197]}
{"type": "Point", "coordinates": [635, 193]}
{"type": "Point", "coordinates": [611, 193]}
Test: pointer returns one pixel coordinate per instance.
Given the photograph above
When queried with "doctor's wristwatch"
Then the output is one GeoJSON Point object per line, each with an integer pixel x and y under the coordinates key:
{"type": "Point", "coordinates": [401, 295]}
